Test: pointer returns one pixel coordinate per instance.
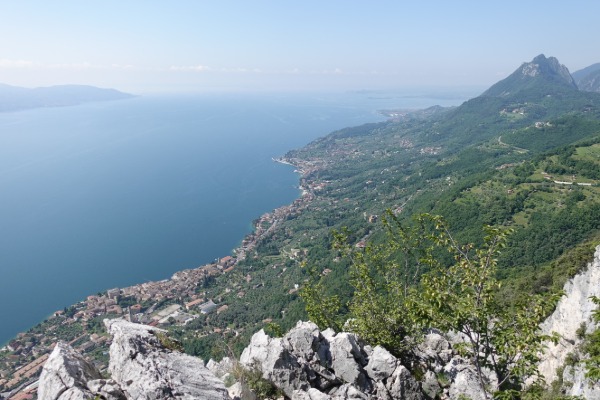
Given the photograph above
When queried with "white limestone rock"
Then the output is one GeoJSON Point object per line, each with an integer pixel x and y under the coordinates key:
{"type": "Point", "coordinates": [310, 394]}
{"type": "Point", "coordinates": [402, 385]}
{"type": "Point", "coordinates": [464, 380]}
{"type": "Point", "coordinates": [435, 349]}
{"type": "Point", "coordinates": [346, 358]}
{"type": "Point", "coordinates": [241, 392]}
{"type": "Point", "coordinates": [301, 340]}
{"type": "Point", "coordinates": [76, 393]}
{"type": "Point", "coordinates": [574, 309]}
{"type": "Point", "coordinates": [65, 375]}
{"type": "Point", "coordinates": [382, 364]}
{"type": "Point", "coordinates": [580, 385]}
{"type": "Point", "coordinates": [145, 369]}
{"type": "Point", "coordinates": [430, 385]}
{"type": "Point", "coordinates": [308, 364]}
{"type": "Point", "coordinates": [349, 392]}
{"type": "Point", "coordinates": [220, 368]}
{"type": "Point", "coordinates": [275, 363]}
{"type": "Point", "coordinates": [108, 389]}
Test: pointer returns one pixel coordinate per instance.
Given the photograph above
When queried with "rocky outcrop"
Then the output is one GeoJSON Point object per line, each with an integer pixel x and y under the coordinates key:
{"type": "Point", "coordinates": [66, 374]}
{"type": "Point", "coordinates": [145, 369]}
{"type": "Point", "coordinates": [307, 364]}
{"type": "Point", "coordinates": [541, 75]}
{"type": "Point", "coordinates": [575, 383]}
{"type": "Point", "coordinates": [142, 366]}
{"type": "Point", "coordinates": [571, 320]}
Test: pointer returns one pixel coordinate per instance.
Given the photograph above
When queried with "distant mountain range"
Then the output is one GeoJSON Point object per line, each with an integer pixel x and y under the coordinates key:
{"type": "Point", "coordinates": [13, 98]}
{"type": "Point", "coordinates": [582, 73]}
{"type": "Point", "coordinates": [588, 79]}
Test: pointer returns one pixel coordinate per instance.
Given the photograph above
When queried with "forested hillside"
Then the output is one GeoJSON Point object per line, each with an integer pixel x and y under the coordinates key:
{"type": "Point", "coordinates": [522, 157]}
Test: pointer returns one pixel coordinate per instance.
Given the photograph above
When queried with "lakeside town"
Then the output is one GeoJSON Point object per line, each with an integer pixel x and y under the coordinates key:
{"type": "Point", "coordinates": [175, 301]}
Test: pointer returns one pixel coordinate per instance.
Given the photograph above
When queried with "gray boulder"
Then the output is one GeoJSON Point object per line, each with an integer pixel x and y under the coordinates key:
{"type": "Point", "coordinates": [348, 391]}
{"type": "Point", "coordinates": [430, 385]}
{"type": "Point", "coordinates": [275, 362]}
{"type": "Point", "coordinates": [146, 369]}
{"type": "Point", "coordinates": [241, 391]}
{"type": "Point", "coordinates": [347, 359]}
{"type": "Point", "coordinates": [142, 367]}
{"type": "Point", "coordinates": [579, 384]}
{"type": "Point", "coordinates": [464, 380]}
{"type": "Point", "coordinates": [76, 393]}
{"type": "Point", "coordinates": [311, 365]}
{"type": "Point", "coordinates": [402, 385]}
{"type": "Point", "coordinates": [65, 375]}
{"type": "Point", "coordinates": [220, 368]}
{"type": "Point", "coordinates": [108, 389]}
{"type": "Point", "coordinates": [381, 364]}
{"type": "Point", "coordinates": [435, 350]}
{"type": "Point", "coordinates": [310, 394]}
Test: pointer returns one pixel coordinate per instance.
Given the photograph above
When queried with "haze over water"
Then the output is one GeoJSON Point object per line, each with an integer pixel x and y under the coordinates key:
{"type": "Point", "coordinates": [114, 194]}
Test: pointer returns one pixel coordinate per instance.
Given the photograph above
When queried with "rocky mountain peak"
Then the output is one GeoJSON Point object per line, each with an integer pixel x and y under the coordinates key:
{"type": "Point", "coordinates": [550, 66]}
{"type": "Point", "coordinates": [544, 74]}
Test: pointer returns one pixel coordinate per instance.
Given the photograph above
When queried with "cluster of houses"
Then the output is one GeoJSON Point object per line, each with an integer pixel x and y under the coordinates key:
{"type": "Point", "coordinates": [178, 300]}
{"type": "Point", "coordinates": [24, 356]}
{"type": "Point", "coordinates": [269, 221]}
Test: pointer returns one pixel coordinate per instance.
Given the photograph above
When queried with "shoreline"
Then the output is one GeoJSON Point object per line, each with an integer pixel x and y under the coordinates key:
{"type": "Point", "coordinates": [252, 235]}
{"type": "Point", "coordinates": [180, 285]}
{"type": "Point", "coordinates": [274, 217]}
{"type": "Point", "coordinates": [234, 250]}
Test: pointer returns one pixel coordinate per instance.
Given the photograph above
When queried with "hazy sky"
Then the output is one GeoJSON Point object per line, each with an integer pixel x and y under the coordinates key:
{"type": "Point", "coordinates": [195, 45]}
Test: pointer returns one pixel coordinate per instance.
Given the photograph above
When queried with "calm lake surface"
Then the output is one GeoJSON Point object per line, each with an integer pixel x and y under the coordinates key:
{"type": "Point", "coordinates": [113, 194]}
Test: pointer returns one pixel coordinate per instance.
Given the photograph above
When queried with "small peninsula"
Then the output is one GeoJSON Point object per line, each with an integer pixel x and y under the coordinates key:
{"type": "Point", "coordinates": [15, 98]}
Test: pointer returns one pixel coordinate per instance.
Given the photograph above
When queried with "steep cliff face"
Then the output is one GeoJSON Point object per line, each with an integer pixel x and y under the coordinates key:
{"type": "Point", "coordinates": [573, 312]}
{"type": "Point", "coordinates": [142, 367]}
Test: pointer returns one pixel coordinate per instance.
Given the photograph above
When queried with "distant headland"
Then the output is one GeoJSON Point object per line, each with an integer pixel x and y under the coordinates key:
{"type": "Point", "coordinates": [14, 98]}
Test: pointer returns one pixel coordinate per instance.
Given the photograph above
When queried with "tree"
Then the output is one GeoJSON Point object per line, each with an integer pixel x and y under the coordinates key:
{"type": "Point", "coordinates": [407, 284]}
{"type": "Point", "coordinates": [383, 277]}
{"type": "Point", "coordinates": [463, 298]}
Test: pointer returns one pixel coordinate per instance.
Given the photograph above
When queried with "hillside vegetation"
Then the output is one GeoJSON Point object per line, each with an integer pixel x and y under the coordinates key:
{"type": "Point", "coordinates": [524, 155]}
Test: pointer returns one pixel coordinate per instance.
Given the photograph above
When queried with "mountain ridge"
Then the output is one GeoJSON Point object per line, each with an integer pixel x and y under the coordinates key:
{"type": "Point", "coordinates": [543, 72]}
{"type": "Point", "coordinates": [590, 82]}
{"type": "Point", "coordinates": [15, 98]}
{"type": "Point", "coordinates": [579, 74]}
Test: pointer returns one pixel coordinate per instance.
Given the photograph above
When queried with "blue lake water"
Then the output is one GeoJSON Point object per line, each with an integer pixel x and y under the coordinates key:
{"type": "Point", "coordinates": [112, 194]}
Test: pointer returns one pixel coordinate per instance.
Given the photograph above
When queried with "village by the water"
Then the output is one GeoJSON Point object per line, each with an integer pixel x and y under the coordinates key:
{"type": "Point", "coordinates": [174, 301]}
